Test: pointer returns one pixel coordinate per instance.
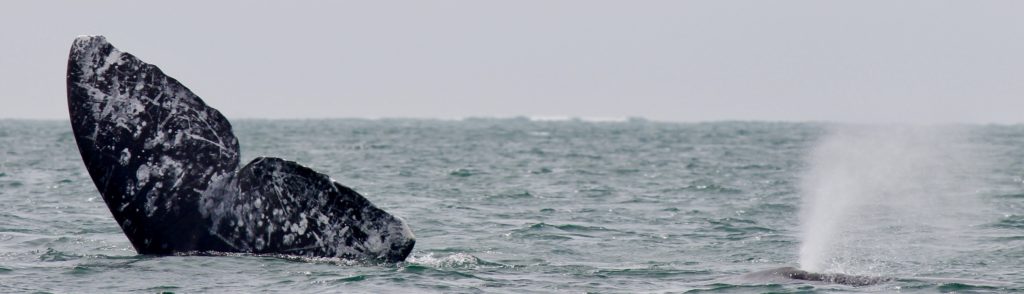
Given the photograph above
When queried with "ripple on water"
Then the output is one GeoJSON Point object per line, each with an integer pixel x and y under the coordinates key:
{"type": "Point", "coordinates": [712, 188]}
{"type": "Point", "coordinates": [1011, 195]}
{"type": "Point", "coordinates": [512, 195]}
{"type": "Point", "coordinates": [568, 227]}
{"type": "Point", "coordinates": [464, 172]}
{"type": "Point", "coordinates": [1011, 222]}
{"type": "Point", "coordinates": [350, 279]}
{"type": "Point", "coordinates": [161, 289]}
{"type": "Point", "coordinates": [733, 288]}
{"type": "Point", "coordinates": [542, 170]}
{"type": "Point", "coordinates": [962, 287]}
{"type": "Point", "coordinates": [733, 226]}
{"type": "Point", "coordinates": [650, 272]}
{"type": "Point", "coordinates": [55, 255]}
{"type": "Point", "coordinates": [544, 231]}
{"type": "Point", "coordinates": [81, 270]}
{"type": "Point", "coordinates": [597, 192]}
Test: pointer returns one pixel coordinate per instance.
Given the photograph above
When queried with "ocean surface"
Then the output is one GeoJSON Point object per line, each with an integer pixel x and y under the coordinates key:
{"type": "Point", "coordinates": [570, 206]}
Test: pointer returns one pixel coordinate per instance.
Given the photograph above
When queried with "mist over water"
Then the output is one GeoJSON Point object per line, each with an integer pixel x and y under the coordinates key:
{"type": "Point", "coordinates": [888, 200]}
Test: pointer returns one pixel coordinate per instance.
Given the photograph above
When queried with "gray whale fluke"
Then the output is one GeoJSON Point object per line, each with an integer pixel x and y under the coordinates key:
{"type": "Point", "coordinates": [167, 166]}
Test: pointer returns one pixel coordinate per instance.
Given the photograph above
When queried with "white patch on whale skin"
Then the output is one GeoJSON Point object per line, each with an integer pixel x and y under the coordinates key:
{"type": "Point", "coordinates": [142, 175]}
{"type": "Point", "coordinates": [151, 199]}
{"type": "Point", "coordinates": [126, 155]}
{"type": "Point", "coordinates": [114, 58]}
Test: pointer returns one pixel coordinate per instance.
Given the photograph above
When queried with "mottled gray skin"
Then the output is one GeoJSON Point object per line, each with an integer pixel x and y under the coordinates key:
{"type": "Point", "coordinates": [167, 166]}
{"type": "Point", "coordinates": [792, 273]}
{"type": "Point", "coordinates": [276, 206]}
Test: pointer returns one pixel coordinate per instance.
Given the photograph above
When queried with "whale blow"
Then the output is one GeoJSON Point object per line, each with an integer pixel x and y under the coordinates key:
{"type": "Point", "coordinates": [167, 166]}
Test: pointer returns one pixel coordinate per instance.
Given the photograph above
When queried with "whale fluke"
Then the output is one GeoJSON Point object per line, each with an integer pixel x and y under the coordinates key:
{"type": "Point", "coordinates": [299, 200]}
{"type": "Point", "coordinates": [167, 166]}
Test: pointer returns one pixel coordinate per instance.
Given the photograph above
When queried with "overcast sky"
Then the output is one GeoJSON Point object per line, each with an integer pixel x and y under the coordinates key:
{"type": "Point", "coordinates": [853, 61]}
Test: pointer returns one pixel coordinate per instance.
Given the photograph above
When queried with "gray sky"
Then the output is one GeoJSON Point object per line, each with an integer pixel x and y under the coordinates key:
{"type": "Point", "coordinates": [859, 61]}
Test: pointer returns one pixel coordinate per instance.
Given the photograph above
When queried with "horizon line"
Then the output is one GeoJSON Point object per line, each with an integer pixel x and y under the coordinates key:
{"type": "Point", "coordinates": [588, 119]}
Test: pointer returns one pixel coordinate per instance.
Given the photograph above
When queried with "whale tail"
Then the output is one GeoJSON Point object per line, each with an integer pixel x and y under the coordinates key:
{"type": "Point", "coordinates": [167, 166]}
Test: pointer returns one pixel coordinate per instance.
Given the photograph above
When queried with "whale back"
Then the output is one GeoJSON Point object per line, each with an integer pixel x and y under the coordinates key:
{"type": "Point", "coordinates": [149, 144]}
{"type": "Point", "coordinates": [795, 274]}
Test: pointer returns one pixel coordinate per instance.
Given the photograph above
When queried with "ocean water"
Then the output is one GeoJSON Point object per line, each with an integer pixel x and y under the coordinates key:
{"type": "Point", "coordinates": [521, 206]}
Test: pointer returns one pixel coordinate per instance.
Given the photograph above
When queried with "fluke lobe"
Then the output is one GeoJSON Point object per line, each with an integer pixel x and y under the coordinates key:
{"type": "Point", "coordinates": [167, 166]}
